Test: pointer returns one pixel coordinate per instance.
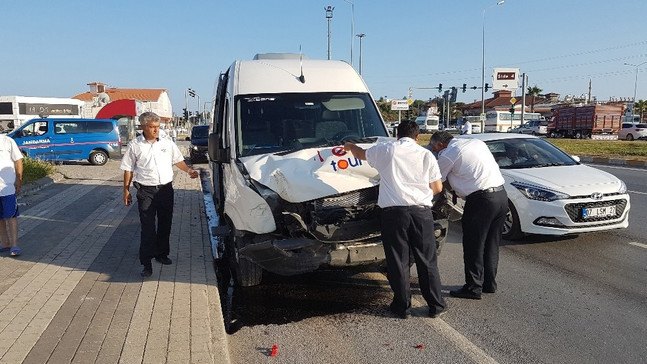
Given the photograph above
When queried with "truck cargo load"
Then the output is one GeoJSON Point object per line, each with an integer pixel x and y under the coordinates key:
{"type": "Point", "coordinates": [586, 121]}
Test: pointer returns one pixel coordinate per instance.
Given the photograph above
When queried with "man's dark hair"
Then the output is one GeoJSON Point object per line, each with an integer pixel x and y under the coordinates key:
{"type": "Point", "coordinates": [408, 129]}
{"type": "Point", "coordinates": [440, 137]}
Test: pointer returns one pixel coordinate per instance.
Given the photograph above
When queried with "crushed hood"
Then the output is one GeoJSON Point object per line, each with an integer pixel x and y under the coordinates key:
{"type": "Point", "coordinates": [313, 173]}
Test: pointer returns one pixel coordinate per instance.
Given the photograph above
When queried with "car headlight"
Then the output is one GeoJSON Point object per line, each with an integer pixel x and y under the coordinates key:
{"type": "Point", "coordinates": [194, 147]}
{"type": "Point", "coordinates": [623, 187]}
{"type": "Point", "coordinates": [538, 193]}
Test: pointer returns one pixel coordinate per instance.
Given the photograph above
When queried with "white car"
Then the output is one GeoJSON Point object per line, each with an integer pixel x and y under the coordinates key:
{"type": "Point", "coordinates": [550, 192]}
{"type": "Point", "coordinates": [534, 127]}
{"type": "Point", "coordinates": [632, 131]}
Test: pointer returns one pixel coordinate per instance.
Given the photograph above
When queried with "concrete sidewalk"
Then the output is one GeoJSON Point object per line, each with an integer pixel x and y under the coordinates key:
{"type": "Point", "coordinates": [75, 295]}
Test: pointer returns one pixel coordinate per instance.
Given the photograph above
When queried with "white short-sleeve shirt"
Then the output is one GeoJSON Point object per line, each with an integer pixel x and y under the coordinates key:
{"type": "Point", "coordinates": [9, 154]}
{"type": "Point", "coordinates": [152, 163]}
{"type": "Point", "coordinates": [406, 169]}
{"type": "Point", "coordinates": [469, 166]}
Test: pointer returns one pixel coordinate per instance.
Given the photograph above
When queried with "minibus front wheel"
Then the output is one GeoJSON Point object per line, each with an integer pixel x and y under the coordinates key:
{"type": "Point", "coordinates": [98, 158]}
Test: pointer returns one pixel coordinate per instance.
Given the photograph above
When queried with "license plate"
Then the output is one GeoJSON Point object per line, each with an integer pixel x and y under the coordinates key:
{"type": "Point", "coordinates": [594, 212]}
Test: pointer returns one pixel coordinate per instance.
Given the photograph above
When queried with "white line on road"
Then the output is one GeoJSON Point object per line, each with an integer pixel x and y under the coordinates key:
{"type": "Point", "coordinates": [462, 343]}
{"type": "Point", "coordinates": [640, 245]}
{"type": "Point", "coordinates": [640, 193]}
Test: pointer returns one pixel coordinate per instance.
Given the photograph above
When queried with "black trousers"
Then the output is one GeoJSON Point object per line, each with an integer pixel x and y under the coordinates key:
{"type": "Point", "coordinates": [154, 203]}
{"type": "Point", "coordinates": [406, 230]}
{"type": "Point", "coordinates": [483, 218]}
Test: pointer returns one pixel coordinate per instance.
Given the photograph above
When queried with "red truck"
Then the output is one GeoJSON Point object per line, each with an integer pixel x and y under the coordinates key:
{"type": "Point", "coordinates": [586, 121]}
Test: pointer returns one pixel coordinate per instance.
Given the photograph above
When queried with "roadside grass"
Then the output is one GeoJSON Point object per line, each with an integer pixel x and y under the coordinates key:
{"type": "Point", "coordinates": [636, 150]}
{"type": "Point", "coordinates": [34, 169]}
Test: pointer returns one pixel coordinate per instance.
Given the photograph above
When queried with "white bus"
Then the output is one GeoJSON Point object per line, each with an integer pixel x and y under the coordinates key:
{"type": "Point", "coordinates": [500, 121]}
{"type": "Point", "coordinates": [428, 123]}
{"type": "Point", "coordinates": [16, 110]}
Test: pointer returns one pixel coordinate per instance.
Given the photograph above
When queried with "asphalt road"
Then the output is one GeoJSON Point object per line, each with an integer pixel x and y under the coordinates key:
{"type": "Point", "coordinates": [580, 299]}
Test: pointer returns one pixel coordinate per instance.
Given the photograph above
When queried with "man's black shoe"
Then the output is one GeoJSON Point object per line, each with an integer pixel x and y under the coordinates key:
{"type": "Point", "coordinates": [489, 290]}
{"type": "Point", "coordinates": [399, 313]}
{"type": "Point", "coordinates": [164, 260]}
{"type": "Point", "coordinates": [146, 272]}
{"type": "Point", "coordinates": [465, 293]}
{"type": "Point", "coordinates": [437, 314]}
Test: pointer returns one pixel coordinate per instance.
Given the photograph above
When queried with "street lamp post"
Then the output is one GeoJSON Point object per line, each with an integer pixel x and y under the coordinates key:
{"type": "Point", "coordinates": [635, 81]}
{"type": "Point", "coordinates": [329, 10]}
{"type": "Point", "coordinates": [352, 30]}
{"type": "Point", "coordinates": [362, 35]}
{"type": "Point", "coordinates": [483, 59]}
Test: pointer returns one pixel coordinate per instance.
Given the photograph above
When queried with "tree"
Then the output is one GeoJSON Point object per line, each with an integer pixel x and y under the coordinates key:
{"type": "Point", "coordinates": [533, 91]}
{"type": "Point", "coordinates": [640, 107]}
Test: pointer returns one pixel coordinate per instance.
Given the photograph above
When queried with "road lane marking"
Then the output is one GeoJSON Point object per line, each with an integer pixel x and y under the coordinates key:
{"type": "Point", "coordinates": [640, 245]}
{"type": "Point", "coordinates": [637, 192]}
{"type": "Point", "coordinates": [462, 343]}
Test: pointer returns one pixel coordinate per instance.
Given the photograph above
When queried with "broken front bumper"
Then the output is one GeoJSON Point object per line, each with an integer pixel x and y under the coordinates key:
{"type": "Point", "coordinates": [302, 255]}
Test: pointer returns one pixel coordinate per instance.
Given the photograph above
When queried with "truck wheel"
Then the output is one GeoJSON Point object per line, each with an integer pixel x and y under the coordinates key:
{"type": "Point", "coordinates": [244, 272]}
{"type": "Point", "coordinates": [511, 226]}
{"type": "Point", "coordinates": [98, 158]}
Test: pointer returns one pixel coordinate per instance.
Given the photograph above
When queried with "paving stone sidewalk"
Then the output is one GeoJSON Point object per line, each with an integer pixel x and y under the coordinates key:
{"type": "Point", "coordinates": [75, 295]}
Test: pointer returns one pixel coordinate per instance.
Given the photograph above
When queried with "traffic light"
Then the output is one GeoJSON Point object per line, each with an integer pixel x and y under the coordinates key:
{"type": "Point", "coordinates": [512, 111]}
{"type": "Point", "coordinates": [464, 87]}
{"type": "Point", "coordinates": [487, 87]}
{"type": "Point", "coordinates": [440, 87]}
{"type": "Point", "coordinates": [186, 114]}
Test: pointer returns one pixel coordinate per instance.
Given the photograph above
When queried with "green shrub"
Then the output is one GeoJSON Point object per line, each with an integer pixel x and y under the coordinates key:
{"type": "Point", "coordinates": [34, 169]}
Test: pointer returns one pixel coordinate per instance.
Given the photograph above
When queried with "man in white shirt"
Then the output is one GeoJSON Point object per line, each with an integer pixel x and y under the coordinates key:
{"type": "Point", "coordinates": [470, 168]}
{"type": "Point", "coordinates": [148, 163]}
{"type": "Point", "coordinates": [10, 183]}
{"type": "Point", "coordinates": [466, 128]}
{"type": "Point", "coordinates": [409, 178]}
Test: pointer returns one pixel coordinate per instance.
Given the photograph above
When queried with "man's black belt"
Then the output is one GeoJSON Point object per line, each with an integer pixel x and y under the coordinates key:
{"type": "Point", "coordinates": [487, 190]}
{"type": "Point", "coordinates": [156, 187]}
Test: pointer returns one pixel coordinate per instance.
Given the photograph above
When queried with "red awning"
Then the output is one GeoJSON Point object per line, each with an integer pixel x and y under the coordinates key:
{"type": "Point", "coordinates": [118, 108]}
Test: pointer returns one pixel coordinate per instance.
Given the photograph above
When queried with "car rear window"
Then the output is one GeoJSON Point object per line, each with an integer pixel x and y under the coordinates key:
{"type": "Point", "coordinates": [641, 126]}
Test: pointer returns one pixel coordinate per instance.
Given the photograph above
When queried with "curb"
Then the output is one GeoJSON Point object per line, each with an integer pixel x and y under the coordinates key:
{"type": "Point", "coordinates": [34, 187]}
{"type": "Point", "coordinates": [615, 161]}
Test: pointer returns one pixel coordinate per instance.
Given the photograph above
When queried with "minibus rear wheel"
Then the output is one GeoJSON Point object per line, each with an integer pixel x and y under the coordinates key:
{"type": "Point", "coordinates": [98, 158]}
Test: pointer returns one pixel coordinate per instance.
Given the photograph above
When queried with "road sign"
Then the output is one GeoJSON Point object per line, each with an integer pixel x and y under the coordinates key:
{"type": "Point", "coordinates": [505, 79]}
{"type": "Point", "coordinates": [513, 101]}
{"type": "Point", "coordinates": [483, 116]}
{"type": "Point", "coordinates": [399, 105]}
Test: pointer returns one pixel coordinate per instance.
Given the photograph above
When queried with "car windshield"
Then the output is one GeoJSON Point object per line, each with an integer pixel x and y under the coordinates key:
{"type": "Point", "coordinates": [517, 153]}
{"type": "Point", "coordinates": [200, 132]}
{"type": "Point", "coordinates": [270, 123]}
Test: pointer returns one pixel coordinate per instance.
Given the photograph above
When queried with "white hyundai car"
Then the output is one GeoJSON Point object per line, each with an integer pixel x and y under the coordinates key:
{"type": "Point", "coordinates": [550, 192]}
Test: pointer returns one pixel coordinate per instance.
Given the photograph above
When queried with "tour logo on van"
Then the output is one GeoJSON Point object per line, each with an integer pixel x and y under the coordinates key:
{"type": "Point", "coordinates": [342, 163]}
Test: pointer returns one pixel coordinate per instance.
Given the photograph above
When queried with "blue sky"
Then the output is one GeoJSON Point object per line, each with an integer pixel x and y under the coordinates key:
{"type": "Point", "coordinates": [54, 48]}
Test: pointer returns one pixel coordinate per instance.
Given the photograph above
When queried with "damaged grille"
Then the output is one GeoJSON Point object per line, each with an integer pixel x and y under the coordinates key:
{"type": "Point", "coordinates": [361, 197]}
{"type": "Point", "coordinates": [351, 216]}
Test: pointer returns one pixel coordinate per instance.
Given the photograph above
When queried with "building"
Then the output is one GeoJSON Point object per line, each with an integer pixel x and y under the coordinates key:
{"type": "Point", "coordinates": [16, 110]}
{"type": "Point", "coordinates": [125, 104]}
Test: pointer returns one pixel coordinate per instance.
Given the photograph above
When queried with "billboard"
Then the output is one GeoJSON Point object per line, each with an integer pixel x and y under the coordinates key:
{"type": "Point", "coordinates": [505, 79]}
{"type": "Point", "coordinates": [399, 104]}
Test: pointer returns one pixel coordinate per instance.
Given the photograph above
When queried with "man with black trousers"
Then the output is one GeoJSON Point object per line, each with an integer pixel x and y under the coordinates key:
{"type": "Point", "coordinates": [471, 170]}
{"type": "Point", "coordinates": [150, 159]}
{"type": "Point", "coordinates": [409, 178]}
